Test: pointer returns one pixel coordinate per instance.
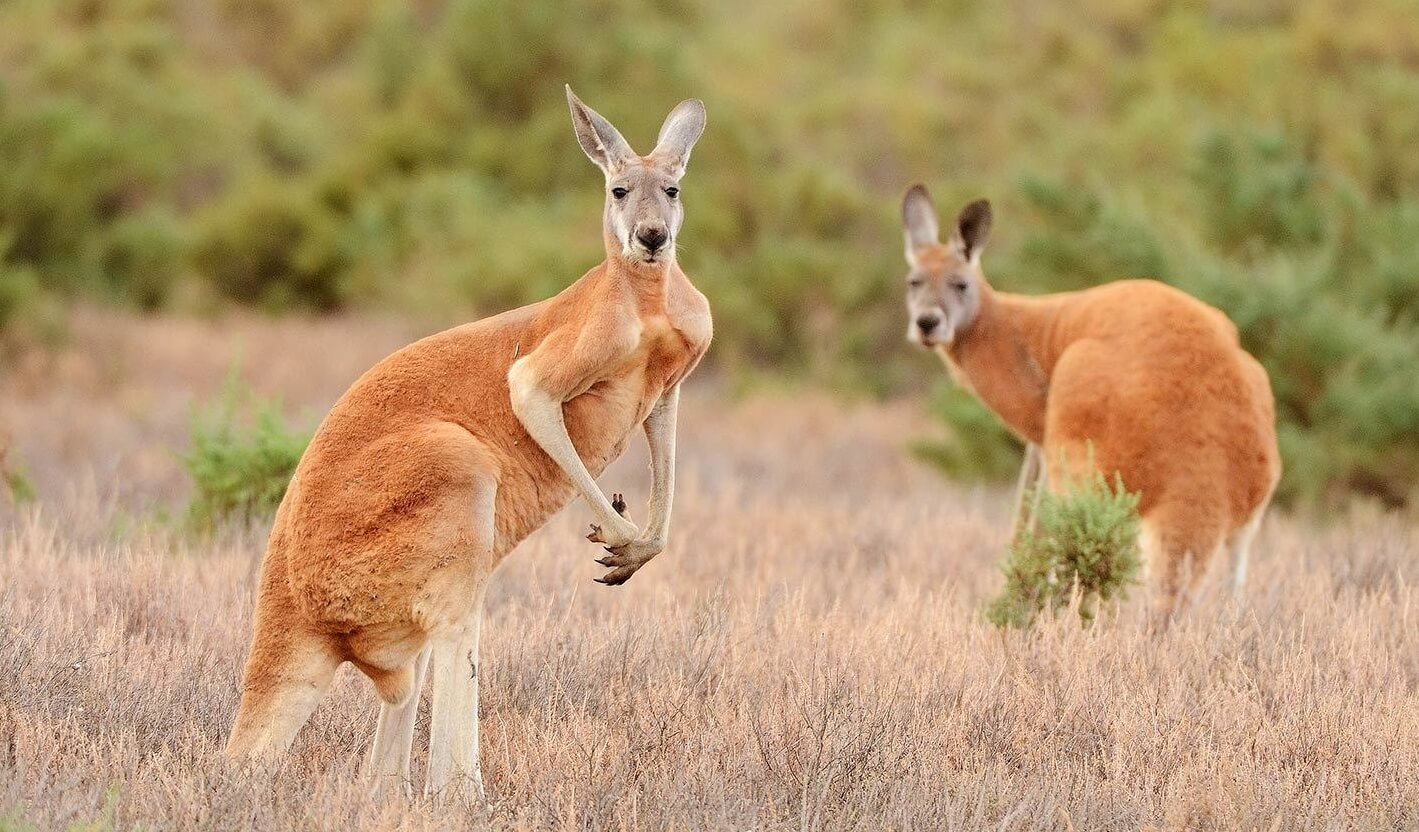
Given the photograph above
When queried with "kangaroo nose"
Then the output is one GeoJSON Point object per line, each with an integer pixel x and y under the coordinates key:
{"type": "Point", "coordinates": [651, 238]}
{"type": "Point", "coordinates": [926, 323]}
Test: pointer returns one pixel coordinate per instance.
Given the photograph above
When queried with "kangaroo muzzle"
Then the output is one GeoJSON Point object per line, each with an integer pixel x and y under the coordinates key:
{"type": "Point", "coordinates": [652, 238]}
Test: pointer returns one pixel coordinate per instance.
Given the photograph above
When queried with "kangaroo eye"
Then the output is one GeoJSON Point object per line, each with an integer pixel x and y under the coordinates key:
{"type": "Point", "coordinates": [960, 285]}
{"type": "Point", "coordinates": [672, 192]}
{"type": "Point", "coordinates": [619, 193]}
{"type": "Point", "coordinates": [915, 282]}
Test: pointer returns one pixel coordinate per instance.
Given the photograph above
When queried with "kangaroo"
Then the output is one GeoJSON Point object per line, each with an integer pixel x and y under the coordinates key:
{"type": "Point", "coordinates": [1133, 377]}
{"type": "Point", "coordinates": [445, 455]}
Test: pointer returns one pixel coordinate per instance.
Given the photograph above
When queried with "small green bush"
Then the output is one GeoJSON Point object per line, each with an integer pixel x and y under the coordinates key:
{"type": "Point", "coordinates": [979, 445]}
{"type": "Point", "coordinates": [17, 485]}
{"type": "Point", "coordinates": [240, 471]}
{"type": "Point", "coordinates": [1083, 541]}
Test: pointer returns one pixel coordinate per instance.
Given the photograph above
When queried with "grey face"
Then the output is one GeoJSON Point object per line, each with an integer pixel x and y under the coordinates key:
{"type": "Point", "coordinates": [945, 282]}
{"type": "Point", "coordinates": [643, 209]}
{"type": "Point", "coordinates": [943, 297]}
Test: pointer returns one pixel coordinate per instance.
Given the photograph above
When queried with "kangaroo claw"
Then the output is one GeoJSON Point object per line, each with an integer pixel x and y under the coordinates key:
{"type": "Point", "coordinates": [623, 561]}
{"type": "Point", "coordinates": [616, 577]}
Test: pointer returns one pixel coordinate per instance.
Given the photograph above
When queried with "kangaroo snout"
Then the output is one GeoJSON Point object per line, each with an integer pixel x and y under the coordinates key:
{"type": "Point", "coordinates": [929, 328]}
{"type": "Point", "coordinates": [653, 237]}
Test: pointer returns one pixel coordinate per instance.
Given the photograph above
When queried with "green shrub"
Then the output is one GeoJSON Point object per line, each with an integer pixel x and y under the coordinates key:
{"type": "Point", "coordinates": [1083, 544]}
{"type": "Point", "coordinates": [19, 293]}
{"type": "Point", "coordinates": [240, 468]}
{"type": "Point", "coordinates": [275, 244]}
{"type": "Point", "coordinates": [979, 445]}
{"type": "Point", "coordinates": [1260, 192]}
{"type": "Point", "coordinates": [17, 485]}
{"type": "Point", "coordinates": [28, 314]}
{"type": "Point", "coordinates": [1072, 238]}
{"type": "Point", "coordinates": [143, 257]}
{"type": "Point", "coordinates": [96, 129]}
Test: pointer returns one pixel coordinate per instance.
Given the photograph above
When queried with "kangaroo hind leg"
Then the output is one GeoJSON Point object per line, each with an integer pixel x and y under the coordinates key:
{"type": "Point", "coordinates": [286, 676]}
{"type": "Point", "coordinates": [454, 771]}
{"type": "Point", "coordinates": [1239, 547]}
{"type": "Point", "coordinates": [449, 608]}
{"type": "Point", "coordinates": [1178, 543]}
{"type": "Point", "coordinates": [394, 735]}
{"type": "Point", "coordinates": [287, 671]}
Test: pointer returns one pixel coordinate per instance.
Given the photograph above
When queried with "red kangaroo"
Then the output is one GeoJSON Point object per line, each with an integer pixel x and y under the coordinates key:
{"type": "Point", "coordinates": [444, 456]}
{"type": "Point", "coordinates": [1133, 377]}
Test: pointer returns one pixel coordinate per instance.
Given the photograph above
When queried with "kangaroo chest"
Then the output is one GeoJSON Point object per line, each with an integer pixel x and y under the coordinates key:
{"type": "Point", "coordinates": [602, 420]}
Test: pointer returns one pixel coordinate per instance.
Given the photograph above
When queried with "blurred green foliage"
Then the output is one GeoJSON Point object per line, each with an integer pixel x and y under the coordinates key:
{"type": "Point", "coordinates": [1082, 547]}
{"type": "Point", "coordinates": [979, 447]}
{"type": "Point", "coordinates": [242, 458]}
{"type": "Point", "coordinates": [417, 157]}
{"type": "Point", "coordinates": [17, 486]}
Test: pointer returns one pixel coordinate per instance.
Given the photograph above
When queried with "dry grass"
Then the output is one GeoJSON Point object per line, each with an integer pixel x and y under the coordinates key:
{"type": "Point", "coordinates": [809, 654]}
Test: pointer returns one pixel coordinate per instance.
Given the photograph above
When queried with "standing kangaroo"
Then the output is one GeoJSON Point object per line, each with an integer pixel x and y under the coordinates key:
{"type": "Point", "coordinates": [1133, 377]}
{"type": "Point", "coordinates": [445, 455]}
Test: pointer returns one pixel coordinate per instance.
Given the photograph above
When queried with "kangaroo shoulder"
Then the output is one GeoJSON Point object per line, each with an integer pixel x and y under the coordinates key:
{"type": "Point", "coordinates": [579, 337]}
{"type": "Point", "coordinates": [689, 313]}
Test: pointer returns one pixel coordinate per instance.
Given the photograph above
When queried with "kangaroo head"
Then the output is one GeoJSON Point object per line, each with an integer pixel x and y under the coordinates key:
{"type": "Point", "coordinates": [945, 282]}
{"type": "Point", "coordinates": [643, 210]}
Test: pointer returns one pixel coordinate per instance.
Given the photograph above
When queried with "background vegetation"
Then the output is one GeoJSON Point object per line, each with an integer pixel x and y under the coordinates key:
{"type": "Point", "coordinates": [416, 157]}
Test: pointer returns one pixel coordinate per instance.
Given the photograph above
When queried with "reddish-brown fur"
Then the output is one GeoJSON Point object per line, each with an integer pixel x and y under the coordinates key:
{"type": "Point", "coordinates": [1139, 378]}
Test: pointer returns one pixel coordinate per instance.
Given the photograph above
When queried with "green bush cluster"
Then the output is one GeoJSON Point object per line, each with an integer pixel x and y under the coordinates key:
{"type": "Point", "coordinates": [240, 467]}
{"type": "Point", "coordinates": [418, 157]}
{"type": "Point", "coordinates": [17, 486]}
{"type": "Point", "coordinates": [1081, 549]}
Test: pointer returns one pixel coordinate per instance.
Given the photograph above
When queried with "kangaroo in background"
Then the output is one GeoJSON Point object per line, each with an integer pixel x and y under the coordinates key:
{"type": "Point", "coordinates": [445, 455]}
{"type": "Point", "coordinates": [1133, 377]}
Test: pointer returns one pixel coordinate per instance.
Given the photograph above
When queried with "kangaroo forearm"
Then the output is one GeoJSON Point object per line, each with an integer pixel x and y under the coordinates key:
{"type": "Point", "coordinates": [660, 428]}
{"type": "Point", "coordinates": [541, 416]}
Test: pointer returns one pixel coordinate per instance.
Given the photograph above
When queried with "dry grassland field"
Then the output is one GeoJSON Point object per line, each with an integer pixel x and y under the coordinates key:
{"type": "Point", "coordinates": [808, 654]}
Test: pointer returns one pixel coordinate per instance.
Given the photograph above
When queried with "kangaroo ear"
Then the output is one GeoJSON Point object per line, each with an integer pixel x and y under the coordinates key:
{"type": "Point", "coordinates": [972, 229]}
{"type": "Point", "coordinates": [601, 141]}
{"type": "Point", "coordinates": [919, 221]}
{"type": "Point", "coordinates": [682, 128]}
